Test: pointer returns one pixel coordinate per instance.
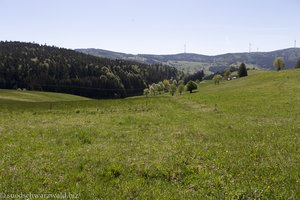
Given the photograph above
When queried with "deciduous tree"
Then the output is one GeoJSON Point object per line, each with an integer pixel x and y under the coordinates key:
{"type": "Point", "coordinates": [173, 89]}
{"type": "Point", "coordinates": [217, 78]}
{"type": "Point", "coordinates": [180, 88]}
{"type": "Point", "coordinates": [191, 85]}
{"type": "Point", "coordinates": [279, 63]}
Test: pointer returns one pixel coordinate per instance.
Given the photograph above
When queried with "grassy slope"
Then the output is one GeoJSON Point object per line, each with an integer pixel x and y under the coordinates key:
{"type": "Point", "coordinates": [33, 96]}
{"type": "Point", "coordinates": [236, 140]}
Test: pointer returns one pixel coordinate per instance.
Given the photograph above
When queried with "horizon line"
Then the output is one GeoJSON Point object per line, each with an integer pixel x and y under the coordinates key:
{"type": "Point", "coordinates": [136, 54]}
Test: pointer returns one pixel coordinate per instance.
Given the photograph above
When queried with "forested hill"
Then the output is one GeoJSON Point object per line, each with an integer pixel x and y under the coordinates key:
{"type": "Point", "coordinates": [41, 67]}
{"type": "Point", "coordinates": [190, 62]}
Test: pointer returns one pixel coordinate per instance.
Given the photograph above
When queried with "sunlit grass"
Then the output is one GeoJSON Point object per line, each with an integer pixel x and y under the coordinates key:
{"type": "Point", "coordinates": [237, 140]}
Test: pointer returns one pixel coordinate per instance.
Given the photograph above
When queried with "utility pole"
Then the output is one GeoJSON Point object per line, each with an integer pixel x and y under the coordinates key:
{"type": "Point", "coordinates": [295, 43]}
{"type": "Point", "coordinates": [184, 48]}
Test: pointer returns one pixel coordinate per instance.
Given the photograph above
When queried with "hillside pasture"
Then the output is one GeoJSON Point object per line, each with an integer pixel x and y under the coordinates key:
{"type": "Point", "coordinates": [236, 140]}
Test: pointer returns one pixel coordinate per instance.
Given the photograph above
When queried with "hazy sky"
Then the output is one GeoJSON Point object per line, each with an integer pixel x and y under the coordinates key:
{"type": "Point", "coordinates": [154, 26]}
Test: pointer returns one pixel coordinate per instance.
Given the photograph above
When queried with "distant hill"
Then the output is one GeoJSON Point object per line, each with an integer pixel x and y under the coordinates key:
{"type": "Point", "coordinates": [45, 68]}
{"type": "Point", "coordinates": [190, 63]}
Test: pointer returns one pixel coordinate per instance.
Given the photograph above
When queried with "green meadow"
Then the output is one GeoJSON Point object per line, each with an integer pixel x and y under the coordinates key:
{"type": "Point", "coordinates": [236, 140]}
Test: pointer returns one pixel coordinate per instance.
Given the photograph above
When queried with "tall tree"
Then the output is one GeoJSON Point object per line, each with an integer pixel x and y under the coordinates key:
{"type": "Point", "coordinates": [242, 70]}
{"type": "Point", "coordinates": [279, 63]}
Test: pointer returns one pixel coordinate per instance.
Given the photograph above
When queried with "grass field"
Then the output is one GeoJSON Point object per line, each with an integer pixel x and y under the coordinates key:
{"type": "Point", "coordinates": [237, 140]}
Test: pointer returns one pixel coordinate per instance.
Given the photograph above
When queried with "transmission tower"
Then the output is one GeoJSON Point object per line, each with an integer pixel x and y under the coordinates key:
{"type": "Point", "coordinates": [249, 47]}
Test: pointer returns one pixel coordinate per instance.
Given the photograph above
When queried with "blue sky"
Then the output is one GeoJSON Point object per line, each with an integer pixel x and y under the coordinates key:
{"type": "Point", "coordinates": [154, 26]}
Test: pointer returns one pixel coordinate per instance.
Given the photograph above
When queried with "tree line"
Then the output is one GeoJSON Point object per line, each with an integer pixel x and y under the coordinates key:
{"type": "Point", "coordinates": [188, 82]}
{"type": "Point", "coordinates": [170, 86]}
{"type": "Point", "coordinates": [40, 67]}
